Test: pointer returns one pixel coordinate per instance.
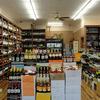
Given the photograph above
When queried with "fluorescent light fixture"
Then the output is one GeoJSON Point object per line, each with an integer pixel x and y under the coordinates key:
{"type": "Point", "coordinates": [31, 8]}
{"type": "Point", "coordinates": [84, 8]}
{"type": "Point", "coordinates": [55, 23]}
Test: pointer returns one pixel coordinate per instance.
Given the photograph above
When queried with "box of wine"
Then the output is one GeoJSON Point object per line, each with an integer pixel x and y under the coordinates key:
{"type": "Point", "coordinates": [28, 87]}
{"type": "Point", "coordinates": [57, 86]}
{"type": "Point", "coordinates": [73, 84]}
{"type": "Point", "coordinates": [43, 96]}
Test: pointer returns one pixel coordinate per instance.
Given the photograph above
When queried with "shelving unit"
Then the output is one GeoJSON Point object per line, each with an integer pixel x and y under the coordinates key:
{"type": "Point", "coordinates": [10, 36]}
{"type": "Point", "coordinates": [10, 39]}
{"type": "Point", "coordinates": [34, 46]}
{"type": "Point", "coordinates": [14, 87]}
{"type": "Point", "coordinates": [91, 72]}
{"type": "Point", "coordinates": [55, 49]}
{"type": "Point", "coordinates": [93, 37]}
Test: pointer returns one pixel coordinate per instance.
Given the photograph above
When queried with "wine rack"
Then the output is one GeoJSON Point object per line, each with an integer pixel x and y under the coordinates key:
{"type": "Point", "coordinates": [10, 38]}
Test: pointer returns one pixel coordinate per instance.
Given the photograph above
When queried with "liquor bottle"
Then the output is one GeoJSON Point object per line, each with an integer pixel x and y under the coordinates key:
{"type": "Point", "coordinates": [29, 54]}
{"type": "Point", "coordinates": [47, 83]}
{"type": "Point", "coordinates": [44, 83]}
{"type": "Point", "coordinates": [26, 54]}
{"type": "Point", "coordinates": [13, 58]}
{"type": "Point", "coordinates": [17, 58]}
{"type": "Point", "coordinates": [46, 57]}
{"type": "Point", "coordinates": [41, 83]}
{"type": "Point", "coordinates": [38, 82]}
{"type": "Point", "coordinates": [42, 57]}
{"type": "Point", "coordinates": [38, 57]}
{"type": "Point", "coordinates": [22, 58]}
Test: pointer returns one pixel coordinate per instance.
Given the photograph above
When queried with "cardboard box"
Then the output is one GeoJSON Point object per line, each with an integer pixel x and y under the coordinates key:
{"type": "Point", "coordinates": [43, 96]}
{"type": "Point", "coordinates": [57, 86]}
{"type": "Point", "coordinates": [73, 84]}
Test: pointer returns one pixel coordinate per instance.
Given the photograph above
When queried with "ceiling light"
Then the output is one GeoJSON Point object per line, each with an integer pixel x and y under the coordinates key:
{"type": "Point", "coordinates": [31, 9]}
{"type": "Point", "coordinates": [84, 8]}
{"type": "Point", "coordinates": [55, 23]}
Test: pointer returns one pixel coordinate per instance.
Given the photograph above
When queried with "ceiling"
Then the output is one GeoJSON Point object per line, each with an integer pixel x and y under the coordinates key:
{"type": "Point", "coordinates": [46, 9]}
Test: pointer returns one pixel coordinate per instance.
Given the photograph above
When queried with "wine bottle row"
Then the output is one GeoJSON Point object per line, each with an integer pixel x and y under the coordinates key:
{"type": "Point", "coordinates": [69, 59]}
{"type": "Point", "coordinates": [14, 87]}
{"type": "Point", "coordinates": [38, 55]}
{"type": "Point", "coordinates": [14, 71]}
{"type": "Point", "coordinates": [54, 53]}
{"type": "Point", "coordinates": [43, 80]}
{"type": "Point", "coordinates": [18, 57]}
{"type": "Point", "coordinates": [11, 97]}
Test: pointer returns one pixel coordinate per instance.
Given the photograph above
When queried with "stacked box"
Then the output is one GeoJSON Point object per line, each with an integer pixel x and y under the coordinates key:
{"type": "Point", "coordinates": [73, 84]}
{"type": "Point", "coordinates": [57, 86]}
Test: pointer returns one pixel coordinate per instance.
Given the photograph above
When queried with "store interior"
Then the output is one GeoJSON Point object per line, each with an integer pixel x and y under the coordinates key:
{"type": "Point", "coordinates": [49, 50]}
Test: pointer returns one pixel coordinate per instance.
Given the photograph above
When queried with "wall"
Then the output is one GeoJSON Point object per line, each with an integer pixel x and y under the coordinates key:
{"type": "Point", "coordinates": [66, 35]}
{"type": "Point", "coordinates": [38, 24]}
{"type": "Point", "coordinates": [65, 32]}
{"type": "Point", "coordinates": [79, 30]}
{"type": "Point", "coordinates": [91, 20]}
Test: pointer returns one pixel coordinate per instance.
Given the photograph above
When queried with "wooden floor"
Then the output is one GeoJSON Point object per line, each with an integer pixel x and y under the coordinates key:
{"type": "Point", "coordinates": [87, 93]}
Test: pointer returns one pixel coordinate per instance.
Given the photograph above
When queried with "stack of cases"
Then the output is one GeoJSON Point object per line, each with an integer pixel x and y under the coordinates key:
{"type": "Point", "coordinates": [73, 84]}
{"type": "Point", "coordinates": [57, 86]}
